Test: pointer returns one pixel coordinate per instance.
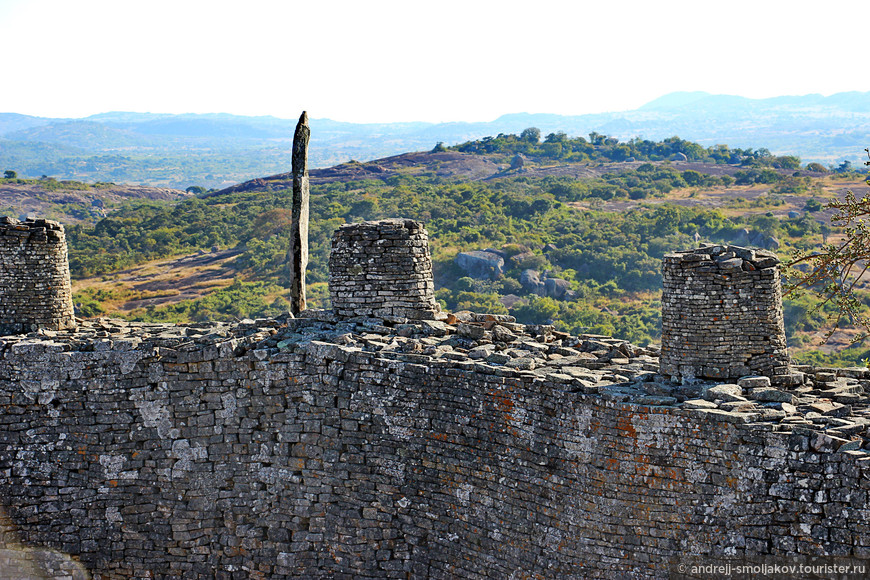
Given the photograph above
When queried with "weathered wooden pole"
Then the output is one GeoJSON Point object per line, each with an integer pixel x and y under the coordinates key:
{"type": "Point", "coordinates": [299, 225]}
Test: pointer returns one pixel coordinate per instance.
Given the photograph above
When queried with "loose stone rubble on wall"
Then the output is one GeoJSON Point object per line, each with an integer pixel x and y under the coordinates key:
{"type": "Point", "coordinates": [323, 447]}
{"type": "Point", "coordinates": [382, 268]}
{"type": "Point", "coordinates": [722, 314]}
{"type": "Point", "coordinates": [35, 287]}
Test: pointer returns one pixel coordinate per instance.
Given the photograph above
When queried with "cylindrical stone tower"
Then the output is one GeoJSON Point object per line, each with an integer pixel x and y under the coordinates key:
{"type": "Point", "coordinates": [722, 314]}
{"type": "Point", "coordinates": [382, 269]}
{"type": "Point", "coordinates": [35, 287]}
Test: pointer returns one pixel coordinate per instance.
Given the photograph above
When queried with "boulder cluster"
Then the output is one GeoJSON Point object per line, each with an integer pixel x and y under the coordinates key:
{"type": "Point", "coordinates": [542, 284]}
{"type": "Point", "coordinates": [754, 238]}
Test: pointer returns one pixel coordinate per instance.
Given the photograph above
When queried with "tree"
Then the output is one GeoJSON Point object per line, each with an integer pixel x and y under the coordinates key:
{"type": "Point", "coordinates": [813, 205]}
{"type": "Point", "coordinates": [532, 135]}
{"type": "Point", "coordinates": [693, 178]}
{"type": "Point", "coordinates": [844, 167]}
{"type": "Point", "coordinates": [541, 206]}
{"type": "Point", "coordinates": [558, 137]}
{"type": "Point", "coordinates": [836, 268]}
{"type": "Point", "coordinates": [597, 138]}
{"type": "Point", "coordinates": [9, 174]}
{"type": "Point", "coordinates": [195, 189]}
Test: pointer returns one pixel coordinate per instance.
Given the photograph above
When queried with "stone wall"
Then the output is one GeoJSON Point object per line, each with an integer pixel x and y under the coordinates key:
{"type": "Point", "coordinates": [381, 441]}
{"type": "Point", "coordinates": [309, 448]}
{"type": "Point", "coordinates": [722, 314]}
{"type": "Point", "coordinates": [382, 269]}
{"type": "Point", "coordinates": [34, 277]}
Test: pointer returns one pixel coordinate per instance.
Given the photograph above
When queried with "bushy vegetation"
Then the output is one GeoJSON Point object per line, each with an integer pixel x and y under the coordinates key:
{"type": "Point", "coordinates": [237, 301]}
{"type": "Point", "coordinates": [601, 148]}
{"type": "Point", "coordinates": [610, 259]}
{"type": "Point", "coordinates": [51, 184]}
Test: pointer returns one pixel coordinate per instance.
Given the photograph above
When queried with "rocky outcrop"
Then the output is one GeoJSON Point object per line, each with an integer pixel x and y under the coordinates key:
{"type": "Point", "coordinates": [531, 282]}
{"type": "Point", "coordinates": [542, 285]}
{"type": "Point", "coordinates": [481, 264]}
{"type": "Point", "coordinates": [558, 288]}
{"type": "Point", "coordinates": [517, 260]}
{"type": "Point", "coordinates": [754, 239]}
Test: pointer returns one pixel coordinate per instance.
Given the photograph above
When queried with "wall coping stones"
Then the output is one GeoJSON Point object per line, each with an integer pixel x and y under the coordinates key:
{"type": "Point", "coordinates": [585, 368]}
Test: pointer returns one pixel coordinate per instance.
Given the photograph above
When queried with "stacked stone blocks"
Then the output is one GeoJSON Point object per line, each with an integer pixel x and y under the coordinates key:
{"type": "Point", "coordinates": [35, 291]}
{"type": "Point", "coordinates": [722, 314]}
{"type": "Point", "coordinates": [382, 269]}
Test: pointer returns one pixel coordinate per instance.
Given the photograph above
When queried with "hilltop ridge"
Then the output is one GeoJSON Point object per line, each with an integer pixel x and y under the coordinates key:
{"type": "Point", "coordinates": [217, 150]}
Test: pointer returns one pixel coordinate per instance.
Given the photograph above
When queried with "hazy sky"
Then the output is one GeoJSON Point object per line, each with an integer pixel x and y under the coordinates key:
{"type": "Point", "coordinates": [374, 61]}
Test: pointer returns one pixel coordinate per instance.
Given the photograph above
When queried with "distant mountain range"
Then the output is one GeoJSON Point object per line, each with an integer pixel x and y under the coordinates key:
{"type": "Point", "coordinates": [216, 150]}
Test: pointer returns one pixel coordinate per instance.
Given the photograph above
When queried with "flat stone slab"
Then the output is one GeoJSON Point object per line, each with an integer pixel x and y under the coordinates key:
{"type": "Point", "coordinates": [724, 392]}
{"type": "Point", "coordinates": [830, 408]}
{"type": "Point", "coordinates": [699, 404]}
{"type": "Point", "coordinates": [753, 382]}
{"type": "Point", "coordinates": [771, 395]}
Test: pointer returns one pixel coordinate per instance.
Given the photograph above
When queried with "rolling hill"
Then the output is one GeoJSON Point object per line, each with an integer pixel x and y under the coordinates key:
{"type": "Point", "coordinates": [218, 150]}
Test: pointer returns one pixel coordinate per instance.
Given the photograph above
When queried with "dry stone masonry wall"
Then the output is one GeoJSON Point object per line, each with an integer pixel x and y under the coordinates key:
{"type": "Point", "coordinates": [382, 269]}
{"type": "Point", "coordinates": [315, 448]}
{"type": "Point", "coordinates": [722, 314]}
{"type": "Point", "coordinates": [468, 446]}
{"type": "Point", "coordinates": [35, 289]}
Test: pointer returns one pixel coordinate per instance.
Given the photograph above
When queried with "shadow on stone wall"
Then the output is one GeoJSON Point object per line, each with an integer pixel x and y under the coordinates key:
{"type": "Point", "coordinates": [18, 562]}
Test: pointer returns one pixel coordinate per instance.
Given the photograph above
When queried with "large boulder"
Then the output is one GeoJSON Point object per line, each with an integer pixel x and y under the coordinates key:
{"type": "Point", "coordinates": [558, 288]}
{"type": "Point", "coordinates": [754, 239]}
{"type": "Point", "coordinates": [481, 265]}
{"type": "Point", "coordinates": [741, 237]}
{"type": "Point", "coordinates": [531, 281]}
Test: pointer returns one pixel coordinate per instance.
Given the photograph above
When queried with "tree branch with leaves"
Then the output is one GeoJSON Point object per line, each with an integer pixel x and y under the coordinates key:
{"type": "Point", "coordinates": [833, 271]}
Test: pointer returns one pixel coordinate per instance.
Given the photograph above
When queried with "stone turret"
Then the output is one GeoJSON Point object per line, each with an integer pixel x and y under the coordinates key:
{"type": "Point", "coordinates": [382, 269]}
{"type": "Point", "coordinates": [722, 314]}
{"type": "Point", "coordinates": [35, 287]}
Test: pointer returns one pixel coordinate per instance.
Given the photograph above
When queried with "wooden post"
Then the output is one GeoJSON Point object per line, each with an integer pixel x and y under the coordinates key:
{"type": "Point", "coordinates": [299, 225]}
